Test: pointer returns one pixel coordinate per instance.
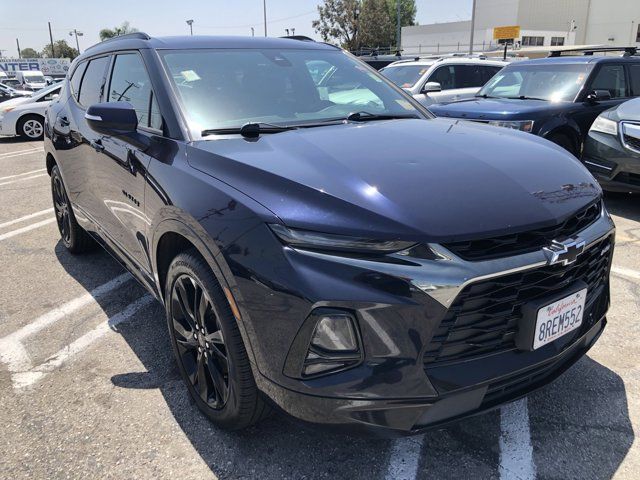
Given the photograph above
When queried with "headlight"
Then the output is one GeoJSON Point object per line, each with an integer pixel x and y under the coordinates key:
{"type": "Point", "coordinates": [604, 125]}
{"type": "Point", "coordinates": [522, 125]}
{"type": "Point", "coordinates": [327, 241]}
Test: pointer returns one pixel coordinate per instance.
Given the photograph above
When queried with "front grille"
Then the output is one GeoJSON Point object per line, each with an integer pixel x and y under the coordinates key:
{"type": "Point", "coordinates": [632, 143]}
{"type": "Point", "coordinates": [484, 316]}
{"type": "Point", "coordinates": [524, 242]}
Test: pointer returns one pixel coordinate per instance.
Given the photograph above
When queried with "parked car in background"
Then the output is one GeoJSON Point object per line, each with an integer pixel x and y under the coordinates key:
{"type": "Point", "coordinates": [12, 82]}
{"type": "Point", "coordinates": [612, 148]}
{"type": "Point", "coordinates": [24, 116]}
{"type": "Point", "coordinates": [327, 248]}
{"type": "Point", "coordinates": [444, 79]}
{"type": "Point", "coordinates": [7, 93]}
{"type": "Point", "coordinates": [31, 80]}
{"type": "Point", "coordinates": [557, 98]}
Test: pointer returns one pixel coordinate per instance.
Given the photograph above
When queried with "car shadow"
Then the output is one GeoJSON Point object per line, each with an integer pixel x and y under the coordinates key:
{"type": "Point", "coordinates": [623, 205]}
{"type": "Point", "coordinates": [580, 426]}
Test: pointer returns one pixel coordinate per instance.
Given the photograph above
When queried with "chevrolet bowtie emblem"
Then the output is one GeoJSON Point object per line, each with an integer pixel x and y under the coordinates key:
{"type": "Point", "coordinates": [564, 252]}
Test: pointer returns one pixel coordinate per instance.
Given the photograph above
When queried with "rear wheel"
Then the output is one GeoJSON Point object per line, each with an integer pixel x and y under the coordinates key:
{"type": "Point", "coordinates": [208, 346]}
{"type": "Point", "coordinates": [73, 236]}
{"type": "Point", "coordinates": [564, 141]}
{"type": "Point", "coordinates": [31, 127]}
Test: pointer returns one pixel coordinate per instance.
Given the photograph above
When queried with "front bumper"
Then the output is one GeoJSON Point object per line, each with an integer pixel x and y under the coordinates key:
{"type": "Point", "coordinates": [400, 304]}
{"type": "Point", "coordinates": [399, 416]}
{"type": "Point", "coordinates": [615, 167]}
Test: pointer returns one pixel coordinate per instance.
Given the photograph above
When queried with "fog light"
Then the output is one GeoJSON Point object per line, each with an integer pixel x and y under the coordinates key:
{"type": "Point", "coordinates": [334, 345]}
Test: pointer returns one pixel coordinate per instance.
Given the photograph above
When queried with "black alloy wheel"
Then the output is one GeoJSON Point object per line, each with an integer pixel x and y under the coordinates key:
{"type": "Point", "coordinates": [200, 341]}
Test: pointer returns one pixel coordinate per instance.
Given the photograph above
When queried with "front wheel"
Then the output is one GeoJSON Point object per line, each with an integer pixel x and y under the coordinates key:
{"type": "Point", "coordinates": [208, 346]}
{"type": "Point", "coordinates": [31, 127]}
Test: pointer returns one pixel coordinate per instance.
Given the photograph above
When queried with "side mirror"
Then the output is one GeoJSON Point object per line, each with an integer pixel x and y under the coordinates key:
{"type": "Point", "coordinates": [431, 87]}
{"type": "Point", "coordinates": [55, 96]}
{"type": "Point", "coordinates": [598, 96]}
{"type": "Point", "coordinates": [116, 119]}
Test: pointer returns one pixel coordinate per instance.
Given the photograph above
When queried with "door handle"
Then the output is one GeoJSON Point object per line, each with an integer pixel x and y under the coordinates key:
{"type": "Point", "coordinates": [97, 145]}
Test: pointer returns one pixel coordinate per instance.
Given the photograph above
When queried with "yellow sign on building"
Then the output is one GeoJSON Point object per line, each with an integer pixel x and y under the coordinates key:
{"type": "Point", "coordinates": [505, 33]}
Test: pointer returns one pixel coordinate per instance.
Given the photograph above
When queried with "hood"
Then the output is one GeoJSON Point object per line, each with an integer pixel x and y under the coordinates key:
{"type": "Point", "coordinates": [494, 108]}
{"type": "Point", "coordinates": [426, 180]}
{"type": "Point", "coordinates": [629, 110]}
{"type": "Point", "coordinates": [13, 102]}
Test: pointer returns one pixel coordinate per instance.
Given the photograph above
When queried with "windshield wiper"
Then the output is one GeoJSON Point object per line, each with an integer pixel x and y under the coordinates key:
{"type": "Point", "coordinates": [524, 97]}
{"type": "Point", "coordinates": [249, 130]}
{"type": "Point", "coordinates": [363, 116]}
{"type": "Point", "coordinates": [484, 95]}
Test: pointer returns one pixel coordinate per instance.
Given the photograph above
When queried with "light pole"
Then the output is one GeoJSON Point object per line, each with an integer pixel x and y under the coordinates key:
{"type": "Point", "coordinates": [190, 23]}
{"type": "Point", "coordinates": [293, 32]}
{"type": "Point", "coordinates": [264, 10]}
{"type": "Point", "coordinates": [286, 31]}
{"type": "Point", "coordinates": [77, 34]}
{"type": "Point", "coordinates": [253, 32]}
{"type": "Point", "coordinates": [473, 26]}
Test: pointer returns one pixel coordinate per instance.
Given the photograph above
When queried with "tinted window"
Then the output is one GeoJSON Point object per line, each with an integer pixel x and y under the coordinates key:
{"type": "Point", "coordinates": [93, 81]}
{"type": "Point", "coordinates": [488, 72]}
{"type": "Point", "coordinates": [155, 119]}
{"type": "Point", "coordinates": [634, 71]}
{"type": "Point", "coordinates": [76, 77]}
{"type": "Point", "coordinates": [444, 76]}
{"type": "Point", "coordinates": [130, 83]}
{"type": "Point", "coordinates": [611, 78]}
{"type": "Point", "coordinates": [467, 76]}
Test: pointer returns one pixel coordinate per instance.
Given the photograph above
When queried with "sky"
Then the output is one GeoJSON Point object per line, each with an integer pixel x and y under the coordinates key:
{"type": "Point", "coordinates": [28, 21]}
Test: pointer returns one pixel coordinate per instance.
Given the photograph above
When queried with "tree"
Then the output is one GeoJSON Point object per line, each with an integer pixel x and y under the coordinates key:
{"type": "Point", "coordinates": [29, 53]}
{"type": "Point", "coordinates": [339, 22]}
{"type": "Point", "coordinates": [408, 12]}
{"type": "Point", "coordinates": [123, 29]}
{"type": "Point", "coordinates": [61, 50]}
{"type": "Point", "coordinates": [377, 27]}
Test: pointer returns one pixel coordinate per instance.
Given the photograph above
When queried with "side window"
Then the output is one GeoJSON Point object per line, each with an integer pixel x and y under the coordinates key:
{"type": "Point", "coordinates": [488, 72]}
{"type": "Point", "coordinates": [611, 78]}
{"type": "Point", "coordinates": [634, 73]}
{"type": "Point", "coordinates": [92, 82]}
{"type": "Point", "coordinates": [50, 96]}
{"type": "Point", "coordinates": [76, 77]}
{"type": "Point", "coordinates": [444, 76]}
{"type": "Point", "coordinates": [467, 76]}
{"type": "Point", "coordinates": [130, 83]}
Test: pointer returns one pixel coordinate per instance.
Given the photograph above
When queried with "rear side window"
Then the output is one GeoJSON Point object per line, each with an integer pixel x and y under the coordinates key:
{"type": "Point", "coordinates": [611, 78]}
{"type": "Point", "coordinates": [130, 83]}
{"type": "Point", "coordinates": [76, 78]}
{"type": "Point", "coordinates": [488, 72]}
{"type": "Point", "coordinates": [92, 82]}
{"type": "Point", "coordinates": [634, 72]}
{"type": "Point", "coordinates": [468, 76]}
{"type": "Point", "coordinates": [444, 76]}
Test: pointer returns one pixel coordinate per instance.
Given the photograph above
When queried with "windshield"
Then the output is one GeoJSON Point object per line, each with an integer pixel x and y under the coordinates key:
{"type": "Point", "coordinates": [548, 81]}
{"type": "Point", "coordinates": [34, 79]}
{"type": "Point", "coordinates": [228, 88]}
{"type": "Point", "coordinates": [405, 76]}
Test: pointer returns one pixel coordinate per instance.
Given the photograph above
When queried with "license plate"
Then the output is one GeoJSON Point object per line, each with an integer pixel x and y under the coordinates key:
{"type": "Point", "coordinates": [559, 318]}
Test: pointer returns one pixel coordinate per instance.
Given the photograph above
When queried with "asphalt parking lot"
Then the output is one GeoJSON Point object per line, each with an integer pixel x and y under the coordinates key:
{"type": "Point", "coordinates": [89, 389]}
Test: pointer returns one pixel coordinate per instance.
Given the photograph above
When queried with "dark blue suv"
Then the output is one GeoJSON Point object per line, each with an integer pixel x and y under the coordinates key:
{"type": "Point", "coordinates": [557, 98]}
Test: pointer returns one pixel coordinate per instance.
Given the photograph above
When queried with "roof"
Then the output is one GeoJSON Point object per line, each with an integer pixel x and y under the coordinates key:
{"type": "Point", "coordinates": [579, 59]}
{"type": "Point", "coordinates": [141, 40]}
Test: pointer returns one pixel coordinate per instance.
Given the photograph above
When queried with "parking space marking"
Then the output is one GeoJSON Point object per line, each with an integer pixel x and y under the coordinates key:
{"type": "Point", "coordinates": [404, 458]}
{"type": "Point", "coordinates": [40, 170]}
{"type": "Point", "coordinates": [23, 179]}
{"type": "Point", "coordinates": [20, 153]}
{"type": "Point", "coordinates": [516, 451]}
{"type": "Point", "coordinates": [28, 228]}
{"type": "Point", "coordinates": [626, 272]}
{"type": "Point", "coordinates": [26, 217]}
{"type": "Point", "coordinates": [27, 378]}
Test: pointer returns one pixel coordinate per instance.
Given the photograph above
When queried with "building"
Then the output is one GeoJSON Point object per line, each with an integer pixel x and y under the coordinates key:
{"type": "Point", "coordinates": [543, 23]}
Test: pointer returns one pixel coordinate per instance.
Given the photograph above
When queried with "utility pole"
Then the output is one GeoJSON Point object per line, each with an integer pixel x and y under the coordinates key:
{"type": "Point", "coordinates": [264, 9]}
{"type": "Point", "coordinates": [190, 23]}
{"type": "Point", "coordinates": [18, 44]}
{"type": "Point", "coordinates": [77, 34]}
{"type": "Point", "coordinates": [473, 26]}
{"type": "Point", "coordinates": [398, 26]}
{"type": "Point", "coordinates": [53, 52]}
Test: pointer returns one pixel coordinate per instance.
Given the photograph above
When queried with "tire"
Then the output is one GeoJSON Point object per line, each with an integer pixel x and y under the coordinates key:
{"type": "Point", "coordinates": [31, 127]}
{"type": "Point", "coordinates": [208, 346]}
{"type": "Point", "coordinates": [73, 236]}
{"type": "Point", "coordinates": [563, 141]}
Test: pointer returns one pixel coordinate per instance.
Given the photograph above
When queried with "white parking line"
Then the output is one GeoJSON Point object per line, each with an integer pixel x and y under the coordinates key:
{"type": "Point", "coordinates": [26, 217]}
{"type": "Point", "coordinates": [23, 179]}
{"type": "Point", "coordinates": [404, 458]}
{"type": "Point", "coordinates": [28, 378]}
{"type": "Point", "coordinates": [23, 174]}
{"type": "Point", "coordinates": [516, 451]}
{"type": "Point", "coordinates": [28, 228]}
{"type": "Point", "coordinates": [626, 272]}
{"type": "Point", "coordinates": [20, 153]}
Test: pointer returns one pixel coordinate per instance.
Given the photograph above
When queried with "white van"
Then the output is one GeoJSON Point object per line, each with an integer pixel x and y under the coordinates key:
{"type": "Point", "coordinates": [31, 80]}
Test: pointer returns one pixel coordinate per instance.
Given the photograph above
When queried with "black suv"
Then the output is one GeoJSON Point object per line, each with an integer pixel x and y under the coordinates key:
{"type": "Point", "coordinates": [557, 98]}
{"type": "Point", "coordinates": [327, 248]}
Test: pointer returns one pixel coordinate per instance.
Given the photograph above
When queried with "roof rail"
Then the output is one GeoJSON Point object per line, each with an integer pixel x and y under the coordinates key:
{"type": "Point", "coordinates": [627, 51]}
{"type": "Point", "coordinates": [139, 35]}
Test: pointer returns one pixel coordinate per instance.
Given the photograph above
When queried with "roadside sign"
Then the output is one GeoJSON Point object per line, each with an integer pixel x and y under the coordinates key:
{"type": "Point", "coordinates": [506, 33]}
{"type": "Point", "coordinates": [48, 66]}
